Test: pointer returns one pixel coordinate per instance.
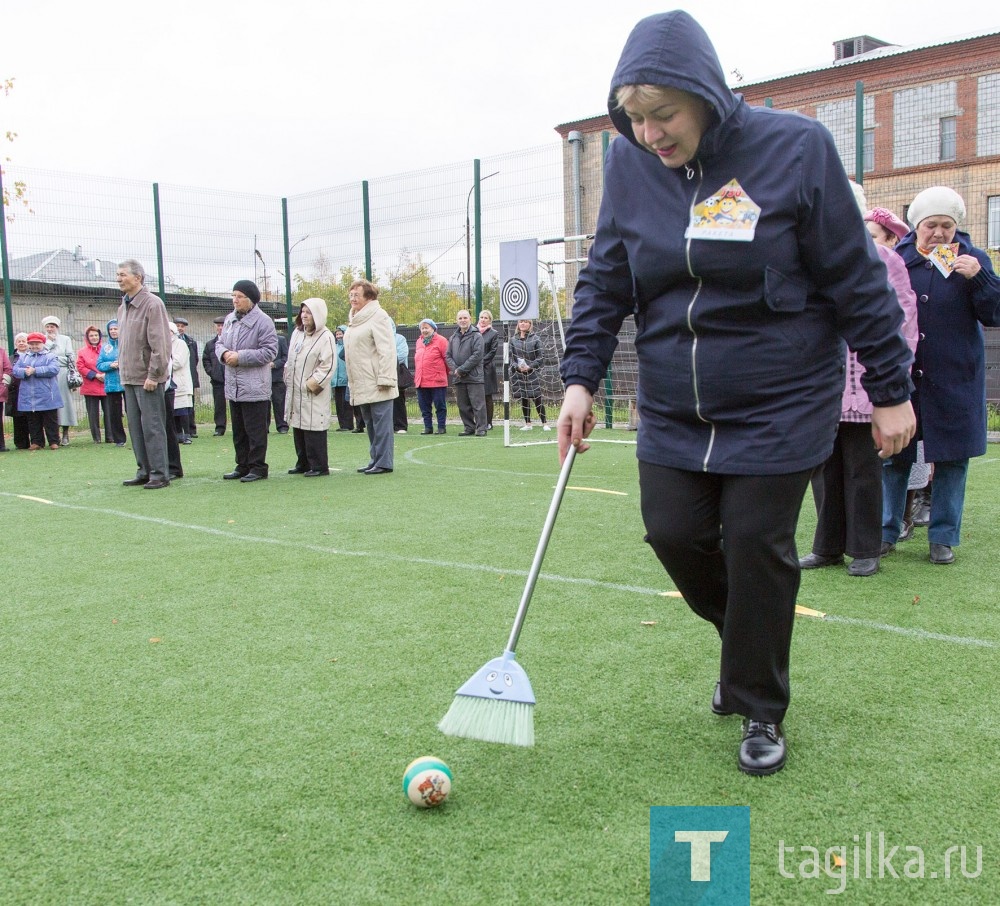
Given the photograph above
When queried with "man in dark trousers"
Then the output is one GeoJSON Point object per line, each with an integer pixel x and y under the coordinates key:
{"type": "Point", "coordinates": [216, 372]}
{"type": "Point", "coordinates": [278, 386]}
{"type": "Point", "coordinates": [182, 326]}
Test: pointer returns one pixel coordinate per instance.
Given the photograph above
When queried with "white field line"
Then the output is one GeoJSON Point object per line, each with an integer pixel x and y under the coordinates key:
{"type": "Point", "coordinates": [920, 634]}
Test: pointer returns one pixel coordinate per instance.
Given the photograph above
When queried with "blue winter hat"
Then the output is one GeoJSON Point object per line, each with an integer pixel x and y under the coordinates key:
{"type": "Point", "coordinates": [428, 321]}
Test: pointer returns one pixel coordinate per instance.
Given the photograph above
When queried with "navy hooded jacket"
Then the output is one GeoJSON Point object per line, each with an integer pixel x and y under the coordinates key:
{"type": "Point", "coordinates": [739, 342]}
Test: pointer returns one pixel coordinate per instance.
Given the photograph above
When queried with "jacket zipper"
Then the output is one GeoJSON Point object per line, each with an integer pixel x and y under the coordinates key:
{"type": "Point", "coordinates": [689, 174]}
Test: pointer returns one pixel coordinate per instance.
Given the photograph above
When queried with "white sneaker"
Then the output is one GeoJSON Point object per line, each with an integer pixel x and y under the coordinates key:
{"type": "Point", "coordinates": [526, 428]}
{"type": "Point", "coordinates": [545, 427]}
{"type": "Point", "coordinates": [401, 431]}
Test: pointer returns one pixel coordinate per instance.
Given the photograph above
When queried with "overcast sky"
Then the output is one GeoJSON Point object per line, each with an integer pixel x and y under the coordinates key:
{"type": "Point", "coordinates": [286, 97]}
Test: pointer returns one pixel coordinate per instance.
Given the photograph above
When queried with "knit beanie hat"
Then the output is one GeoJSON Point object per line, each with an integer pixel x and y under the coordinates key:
{"type": "Point", "coordinates": [937, 200]}
{"type": "Point", "coordinates": [885, 218]}
{"type": "Point", "coordinates": [428, 321]}
{"type": "Point", "coordinates": [249, 289]}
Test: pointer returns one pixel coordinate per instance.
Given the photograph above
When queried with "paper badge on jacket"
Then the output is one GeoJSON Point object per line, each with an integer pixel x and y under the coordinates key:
{"type": "Point", "coordinates": [943, 258]}
{"type": "Point", "coordinates": [729, 214]}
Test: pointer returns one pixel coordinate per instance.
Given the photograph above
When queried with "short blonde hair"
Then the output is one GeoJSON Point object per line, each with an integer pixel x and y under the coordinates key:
{"type": "Point", "coordinates": [488, 314]}
{"type": "Point", "coordinates": [644, 94]}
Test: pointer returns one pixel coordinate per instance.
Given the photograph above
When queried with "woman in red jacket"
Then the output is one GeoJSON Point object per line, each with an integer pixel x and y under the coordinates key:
{"type": "Point", "coordinates": [431, 376]}
{"type": "Point", "coordinates": [92, 390]}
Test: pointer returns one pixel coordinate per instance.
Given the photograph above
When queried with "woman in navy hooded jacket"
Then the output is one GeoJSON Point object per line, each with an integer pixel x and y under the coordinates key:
{"type": "Point", "coordinates": [732, 235]}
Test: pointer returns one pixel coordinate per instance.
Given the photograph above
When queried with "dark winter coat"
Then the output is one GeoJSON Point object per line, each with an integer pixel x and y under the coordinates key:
{"type": "Point", "coordinates": [949, 371]}
{"type": "Point", "coordinates": [215, 370]}
{"type": "Point", "coordinates": [525, 384]}
{"type": "Point", "coordinates": [465, 356]}
{"type": "Point", "coordinates": [491, 346]}
{"type": "Point", "coordinates": [739, 343]}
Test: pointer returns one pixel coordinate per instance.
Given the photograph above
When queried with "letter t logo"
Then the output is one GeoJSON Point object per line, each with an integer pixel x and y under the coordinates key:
{"type": "Point", "coordinates": [701, 850]}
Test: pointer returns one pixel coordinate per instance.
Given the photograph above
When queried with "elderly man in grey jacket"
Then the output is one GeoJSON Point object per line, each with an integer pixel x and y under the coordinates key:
{"type": "Point", "coordinates": [246, 347]}
{"type": "Point", "coordinates": [465, 363]}
{"type": "Point", "coordinates": [144, 368]}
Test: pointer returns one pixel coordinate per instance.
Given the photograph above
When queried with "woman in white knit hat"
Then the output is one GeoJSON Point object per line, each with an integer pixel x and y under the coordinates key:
{"type": "Point", "coordinates": [958, 294]}
{"type": "Point", "coordinates": [61, 346]}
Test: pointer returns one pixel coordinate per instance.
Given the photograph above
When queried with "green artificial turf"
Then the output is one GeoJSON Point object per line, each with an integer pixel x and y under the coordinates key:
{"type": "Point", "coordinates": [209, 693]}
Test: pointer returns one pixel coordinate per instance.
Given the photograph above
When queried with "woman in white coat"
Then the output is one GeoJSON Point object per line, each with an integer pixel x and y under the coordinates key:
{"type": "Point", "coordinates": [310, 366]}
{"type": "Point", "coordinates": [61, 346]}
{"type": "Point", "coordinates": [180, 374]}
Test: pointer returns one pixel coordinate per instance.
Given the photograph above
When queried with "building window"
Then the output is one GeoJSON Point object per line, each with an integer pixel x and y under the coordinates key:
{"type": "Point", "coordinates": [949, 132]}
{"type": "Point", "coordinates": [869, 150]}
{"type": "Point", "coordinates": [993, 222]}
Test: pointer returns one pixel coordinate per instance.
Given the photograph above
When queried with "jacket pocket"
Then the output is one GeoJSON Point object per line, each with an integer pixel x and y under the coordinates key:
{"type": "Point", "coordinates": [784, 294]}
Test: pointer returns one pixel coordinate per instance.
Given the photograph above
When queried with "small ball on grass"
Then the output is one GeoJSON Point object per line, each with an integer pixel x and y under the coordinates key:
{"type": "Point", "coordinates": [427, 781]}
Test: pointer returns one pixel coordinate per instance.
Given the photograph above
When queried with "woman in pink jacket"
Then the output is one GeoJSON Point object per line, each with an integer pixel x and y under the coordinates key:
{"type": "Point", "coordinates": [92, 390]}
{"type": "Point", "coordinates": [431, 378]}
{"type": "Point", "coordinates": [847, 489]}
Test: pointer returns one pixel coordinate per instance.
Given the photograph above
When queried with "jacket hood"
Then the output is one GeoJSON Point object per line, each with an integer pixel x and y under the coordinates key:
{"type": "Point", "coordinates": [107, 331]}
{"type": "Point", "coordinates": [672, 50]}
{"type": "Point", "coordinates": [318, 308]}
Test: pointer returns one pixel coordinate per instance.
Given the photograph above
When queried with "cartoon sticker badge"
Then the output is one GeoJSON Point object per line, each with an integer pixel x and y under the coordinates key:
{"type": "Point", "coordinates": [729, 215]}
{"type": "Point", "coordinates": [943, 258]}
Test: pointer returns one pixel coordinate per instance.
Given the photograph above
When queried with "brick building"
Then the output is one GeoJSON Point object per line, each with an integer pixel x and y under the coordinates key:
{"type": "Point", "coordinates": [931, 116]}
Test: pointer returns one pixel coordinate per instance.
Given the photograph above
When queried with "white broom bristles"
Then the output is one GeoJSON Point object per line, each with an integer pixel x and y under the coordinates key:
{"type": "Point", "coordinates": [490, 720]}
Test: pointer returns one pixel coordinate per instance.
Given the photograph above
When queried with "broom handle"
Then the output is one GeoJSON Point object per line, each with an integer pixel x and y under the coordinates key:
{"type": "Point", "coordinates": [543, 543]}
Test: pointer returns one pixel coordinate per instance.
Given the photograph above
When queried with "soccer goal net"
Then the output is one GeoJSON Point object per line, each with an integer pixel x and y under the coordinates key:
{"type": "Point", "coordinates": [533, 392]}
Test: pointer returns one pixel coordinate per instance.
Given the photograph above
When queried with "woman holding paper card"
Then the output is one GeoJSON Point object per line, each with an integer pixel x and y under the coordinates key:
{"type": "Point", "coordinates": [958, 294]}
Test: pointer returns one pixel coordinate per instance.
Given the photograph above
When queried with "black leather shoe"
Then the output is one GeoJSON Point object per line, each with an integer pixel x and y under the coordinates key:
{"type": "Point", "coordinates": [762, 750]}
{"type": "Point", "coordinates": [283, 430]}
{"type": "Point", "coordinates": [155, 484]}
{"type": "Point", "coordinates": [887, 548]}
{"type": "Point", "coordinates": [441, 431]}
{"type": "Point", "coordinates": [816, 561]}
{"type": "Point", "coordinates": [135, 482]}
{"type": "Point", "coordinates": [252, 476]}
{"type": "Point", "coordinates": [941, 554]}
{"type": "Point", "coordinates": [315, 473]}
{"type": "Point", "coordinates": [426, 432]}
{"type": "Point", "coordinates": [218, 432]}
{"type": "Point", "coordinates": [358, 431]}
{"type": "Point", "coordinates": [480, 434]}
{"type": "Point", "coordinates": [232, 476]}
{"type": "Point", "coordinates": [366, 468]}
{"type": "Point", "coordinates": [717, 706]}
{"type": "Point", "coordinates": [466, 433]}
{"type": "Point", "coordinates": [175, 475]}
{"type": "Point", "coordinates": [863, 566]}
{"type": "Point", "coordinates": [378, 471]}
{"type": "Point", "coordinates": [296, 471]}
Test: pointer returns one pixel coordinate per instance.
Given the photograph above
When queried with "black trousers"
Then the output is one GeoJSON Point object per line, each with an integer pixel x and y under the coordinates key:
{"type": "Point", "coordinates": [345, 412]}
{"type": "Point", "coordinates": [310, 450]}
{"type": "Point", "coordinates": [219, 406]}
{"type": "Point", "coordinates": [114, 425]}
{"type": "Point", "coordinates": [847, 490]}
{"type": "Point", "coordinates": [728, 543]}
{"type": "Point", "coordinates": [399, 419]}
{"type": "Point", "coordinates": [278, 391]}
{"type": "Point", "coordinates": [20, 423]}
{"type": "Point", "coordinates": [250, 435]}
{"type": "Point", "coordinates": [43, 427]}
{"type": "Point", "coordinates": [96, 407]}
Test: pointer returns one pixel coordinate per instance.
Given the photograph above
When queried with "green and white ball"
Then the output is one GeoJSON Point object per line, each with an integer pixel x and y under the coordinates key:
{"type": "Point", "coordinates": [427, 781]}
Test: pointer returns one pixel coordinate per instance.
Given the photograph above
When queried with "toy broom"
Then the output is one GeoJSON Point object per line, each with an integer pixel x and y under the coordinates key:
{"type": "Point", "coordinates": [496, 704]}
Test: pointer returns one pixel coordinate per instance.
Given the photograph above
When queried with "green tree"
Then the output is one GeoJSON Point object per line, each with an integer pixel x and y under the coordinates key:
{"type": "Point", "coordinates": [331, 287]}
{"type": "Point", "coordinates": [412, 293]}
{"type": "Point", "coordinates": [17, 192]}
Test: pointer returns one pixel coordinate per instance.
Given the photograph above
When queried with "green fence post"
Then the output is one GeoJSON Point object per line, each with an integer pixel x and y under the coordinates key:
{"type": "Point", "coordinates": [478, 208]}
{"type": "Point", "coordinates": [8, 311]}
{"type": "Point", "coordinates": [159, 238]}
{"type": "Point", "coordinates": [368, 228]}
{"type": "Point", "coordinates": [609, 419]}
{"type": "Point", "coordinates": [859, 132]}
{"type": "Point", "coordinates": [288, 270]}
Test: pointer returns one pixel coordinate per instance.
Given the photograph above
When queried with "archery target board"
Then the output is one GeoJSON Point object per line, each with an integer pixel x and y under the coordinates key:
{"type": "Point", "coordinates": [519, 280]}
